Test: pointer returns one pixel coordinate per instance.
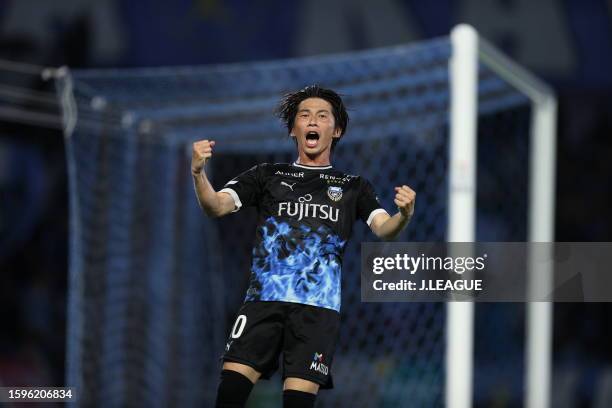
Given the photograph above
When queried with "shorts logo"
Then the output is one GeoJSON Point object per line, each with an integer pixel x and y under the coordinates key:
{"type": "Point", "coordinates": [317, 364]}
{"type": "Point", "coordinates": [335, 193]}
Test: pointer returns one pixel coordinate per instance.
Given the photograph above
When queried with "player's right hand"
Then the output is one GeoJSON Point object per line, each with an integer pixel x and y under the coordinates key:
{"type": "Point", "coordinates": [201, 153]}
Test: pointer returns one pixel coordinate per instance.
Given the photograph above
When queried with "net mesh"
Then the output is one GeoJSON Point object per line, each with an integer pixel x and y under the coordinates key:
{"type": "Point", "coordinates": [155, 285]}
{"type": "Point", "coordinates": [502, 188]}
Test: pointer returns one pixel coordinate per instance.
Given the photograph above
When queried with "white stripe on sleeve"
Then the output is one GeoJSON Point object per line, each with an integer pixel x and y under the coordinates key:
{"type": "Point", "coordinates": [374, 213]}
{"type": "Point", "coordinates": [232, 193]}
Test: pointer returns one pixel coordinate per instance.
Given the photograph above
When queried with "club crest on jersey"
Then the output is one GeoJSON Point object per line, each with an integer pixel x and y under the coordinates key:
{"type": "Point", "coordinates": [335, 193]}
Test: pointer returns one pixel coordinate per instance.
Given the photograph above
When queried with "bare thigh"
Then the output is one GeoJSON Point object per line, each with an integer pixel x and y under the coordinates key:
{"type": "Point", "coordinates": [300, 384]}
{"type": "Point", "coordinates": [248, 371]}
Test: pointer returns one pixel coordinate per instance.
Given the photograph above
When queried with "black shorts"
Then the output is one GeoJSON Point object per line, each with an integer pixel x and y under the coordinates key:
{"type": "Point", "coordinates": [305, 335]}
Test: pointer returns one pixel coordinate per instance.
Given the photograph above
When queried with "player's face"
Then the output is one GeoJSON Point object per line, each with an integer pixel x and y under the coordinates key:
{"type": "Point", "coordinates": [315, 127]}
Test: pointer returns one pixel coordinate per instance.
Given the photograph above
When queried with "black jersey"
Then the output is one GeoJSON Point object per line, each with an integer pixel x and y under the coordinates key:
{"type": "Point", "coordinates": [305, 218]}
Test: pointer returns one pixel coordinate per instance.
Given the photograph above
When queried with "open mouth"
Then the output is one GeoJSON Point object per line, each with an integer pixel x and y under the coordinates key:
{"type": "Point", "coordinates": [312, 139]}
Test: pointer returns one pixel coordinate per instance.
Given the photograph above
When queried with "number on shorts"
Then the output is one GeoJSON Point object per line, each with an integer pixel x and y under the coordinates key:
{"type": "Point", "coordinates": [238, 326]}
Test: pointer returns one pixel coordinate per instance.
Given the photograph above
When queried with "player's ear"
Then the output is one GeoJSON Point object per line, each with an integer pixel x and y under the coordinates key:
{"type": "Point", "coordinates": [337, 132]}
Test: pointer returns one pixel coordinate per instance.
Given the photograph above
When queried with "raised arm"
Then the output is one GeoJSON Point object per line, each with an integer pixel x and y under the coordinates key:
{"type": "Point", "coordinates": [388, 227]}
{"type": "Point", "coordinates": [214, 204]}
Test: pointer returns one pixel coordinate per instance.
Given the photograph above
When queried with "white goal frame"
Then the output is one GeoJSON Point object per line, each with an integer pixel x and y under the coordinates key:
{"type": "Point", "coordinates": [468, 50]}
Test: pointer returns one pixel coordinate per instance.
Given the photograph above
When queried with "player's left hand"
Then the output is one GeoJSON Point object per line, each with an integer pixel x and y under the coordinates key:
{"type": "Point", "coordinates": [404, 199]}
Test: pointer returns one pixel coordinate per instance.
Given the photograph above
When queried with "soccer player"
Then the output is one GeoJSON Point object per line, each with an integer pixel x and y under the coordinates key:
{"type": "Point", "coordinates": [305, 214]}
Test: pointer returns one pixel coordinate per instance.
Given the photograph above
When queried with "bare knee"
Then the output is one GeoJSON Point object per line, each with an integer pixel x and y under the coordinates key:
{"type": "Point", "coordinates": [300, 384]}
{"type": "Point", "coordinates": [248, 371]}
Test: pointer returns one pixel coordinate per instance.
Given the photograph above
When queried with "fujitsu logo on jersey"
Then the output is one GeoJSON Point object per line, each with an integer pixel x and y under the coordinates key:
{"type": "Point", "coordinates": [304, 209]}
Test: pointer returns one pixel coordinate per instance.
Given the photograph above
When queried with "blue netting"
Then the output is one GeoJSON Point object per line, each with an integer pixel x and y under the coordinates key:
{"type": "Point", "coordinates": [155, 284]}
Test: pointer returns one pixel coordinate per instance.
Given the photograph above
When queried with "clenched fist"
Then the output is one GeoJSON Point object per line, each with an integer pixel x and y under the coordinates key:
{"type": "Point", "coordinates": [404, 199]}
{"type": "Point", "coordinates": [201, 153]}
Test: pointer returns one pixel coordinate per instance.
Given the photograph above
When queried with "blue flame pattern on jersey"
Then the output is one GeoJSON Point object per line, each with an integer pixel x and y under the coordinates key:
{"type": "Point", "coordinates": [295, 263]}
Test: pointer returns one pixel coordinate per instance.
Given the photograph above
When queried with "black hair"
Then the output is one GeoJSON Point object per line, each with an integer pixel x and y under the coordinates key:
{"type": "Point", "coordinates": [288, 106]}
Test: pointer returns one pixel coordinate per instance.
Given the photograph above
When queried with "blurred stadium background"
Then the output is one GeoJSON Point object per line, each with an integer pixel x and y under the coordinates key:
{"type": "Point", "coordinates": [568, 43]}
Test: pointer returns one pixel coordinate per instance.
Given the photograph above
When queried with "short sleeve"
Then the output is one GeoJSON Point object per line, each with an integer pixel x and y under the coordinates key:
{"type": "Point", "coordinates": [368, 205]}
{"type": "Point", "coordinates": [245, 189]}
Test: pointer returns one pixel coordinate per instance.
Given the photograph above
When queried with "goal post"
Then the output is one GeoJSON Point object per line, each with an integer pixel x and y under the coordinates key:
{"type": "Point", "coordinates": [468, 51]}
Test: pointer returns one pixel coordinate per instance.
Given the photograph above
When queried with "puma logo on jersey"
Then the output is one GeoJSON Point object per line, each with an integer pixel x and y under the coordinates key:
{"type": "Point", "coordinates": [288, 185]}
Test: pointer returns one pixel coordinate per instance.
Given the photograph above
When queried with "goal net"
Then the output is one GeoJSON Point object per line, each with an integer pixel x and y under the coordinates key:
{"type": "Point", "coordinates": [155, 284]}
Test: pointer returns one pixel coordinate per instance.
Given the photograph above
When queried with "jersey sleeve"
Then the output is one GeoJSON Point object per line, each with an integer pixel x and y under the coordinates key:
{"type": "Point", "coordinates": [368, 205]}
{"type": "Point", "coordinates": [245, 189]}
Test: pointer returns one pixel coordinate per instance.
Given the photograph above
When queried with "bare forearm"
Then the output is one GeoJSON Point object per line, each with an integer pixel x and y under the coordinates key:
{"type": "Point", "coordinates": [206, 194]}
{"type": "Point", "coordinates": [393, 226]}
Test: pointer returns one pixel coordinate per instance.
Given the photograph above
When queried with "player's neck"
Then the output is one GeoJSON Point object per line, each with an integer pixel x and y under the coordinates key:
{"type": "Point", "coordinates": [321, 159]}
